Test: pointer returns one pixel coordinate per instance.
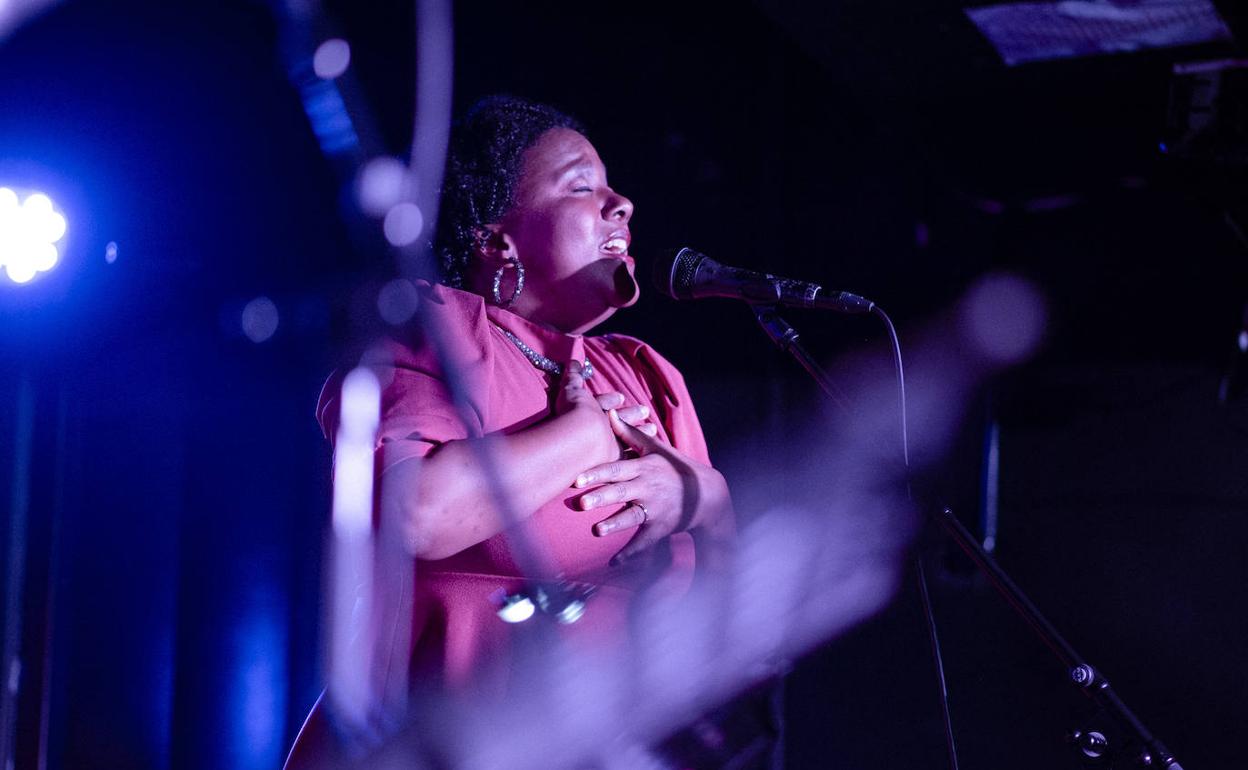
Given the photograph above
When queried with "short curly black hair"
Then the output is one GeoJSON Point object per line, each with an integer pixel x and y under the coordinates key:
{"type": "Point", "coordinates": [483, 167]}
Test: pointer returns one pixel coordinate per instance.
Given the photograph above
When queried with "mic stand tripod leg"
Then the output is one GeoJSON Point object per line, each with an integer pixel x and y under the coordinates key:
{"type": "Point", "coordinates": [1091, 681]}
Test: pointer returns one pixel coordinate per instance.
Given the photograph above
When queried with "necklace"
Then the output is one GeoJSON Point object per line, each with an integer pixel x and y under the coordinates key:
{"type": "Point", "coordinates": [541, 361]}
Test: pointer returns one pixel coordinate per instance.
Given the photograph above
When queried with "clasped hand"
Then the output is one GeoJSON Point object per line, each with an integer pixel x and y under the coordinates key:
{"type": "Point", "coordinates": [667, 491]}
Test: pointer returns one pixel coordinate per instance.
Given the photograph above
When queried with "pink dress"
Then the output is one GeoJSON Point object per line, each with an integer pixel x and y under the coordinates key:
{"type": "Point", "coordinates": [456, 638]}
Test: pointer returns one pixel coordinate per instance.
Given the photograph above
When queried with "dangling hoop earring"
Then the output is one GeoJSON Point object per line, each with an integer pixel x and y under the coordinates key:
{"type": "Point", "coordinates": [498, 282]}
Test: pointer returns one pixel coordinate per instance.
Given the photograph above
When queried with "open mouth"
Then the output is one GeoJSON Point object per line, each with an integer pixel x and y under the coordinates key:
{"type": "Point", "coordinates": [616, 245]}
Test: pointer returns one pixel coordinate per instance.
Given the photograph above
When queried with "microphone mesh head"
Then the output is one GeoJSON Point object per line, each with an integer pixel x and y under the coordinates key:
{"type": "Point", "coordinates": [673, 274]}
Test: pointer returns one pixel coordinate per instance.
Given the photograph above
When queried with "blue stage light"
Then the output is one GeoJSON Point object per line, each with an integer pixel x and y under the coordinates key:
{"type": "Point", "coordinates": [29, 232]}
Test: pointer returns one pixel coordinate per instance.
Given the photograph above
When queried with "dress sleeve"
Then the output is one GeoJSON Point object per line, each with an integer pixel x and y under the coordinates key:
{"type": "Point", "coordinates": [417, 411]}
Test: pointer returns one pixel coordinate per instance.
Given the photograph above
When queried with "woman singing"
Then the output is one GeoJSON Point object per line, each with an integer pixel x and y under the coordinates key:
{"type": "Point", "coordinates": [595, 439]}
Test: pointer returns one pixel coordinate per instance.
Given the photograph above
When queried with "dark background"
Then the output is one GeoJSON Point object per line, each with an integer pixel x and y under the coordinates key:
{"type": "Point", "coordinates": [179, 484]}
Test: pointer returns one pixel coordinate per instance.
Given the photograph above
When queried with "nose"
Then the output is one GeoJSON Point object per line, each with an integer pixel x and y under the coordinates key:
{"type": "Point", "coordinates": [617, 207]}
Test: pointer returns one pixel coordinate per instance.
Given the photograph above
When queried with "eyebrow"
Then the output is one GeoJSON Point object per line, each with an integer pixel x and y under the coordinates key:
{"type": "Point", "coordinates": [580, 162]}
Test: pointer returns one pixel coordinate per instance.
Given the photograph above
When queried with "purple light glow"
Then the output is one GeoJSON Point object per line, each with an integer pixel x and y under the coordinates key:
{"type": "Point", "coordinates": [1052, 203]}
{"type": "Point", "coordinates": [1004, 316]}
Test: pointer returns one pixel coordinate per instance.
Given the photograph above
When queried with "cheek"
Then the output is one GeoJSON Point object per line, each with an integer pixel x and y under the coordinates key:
{"type": "Point", "coordinates": [574, 226]}
{"type": "Point", "coordinates": [561, 240]}
{"type": "Point", "coordinates": [534, 236]}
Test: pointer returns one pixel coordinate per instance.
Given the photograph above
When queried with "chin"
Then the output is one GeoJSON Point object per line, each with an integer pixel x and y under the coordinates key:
{"type": "Point", "coordinates": [626, 290]}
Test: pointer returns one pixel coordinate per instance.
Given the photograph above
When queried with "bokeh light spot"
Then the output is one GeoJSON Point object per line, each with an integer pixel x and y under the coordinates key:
{"type": "Point", "coordinates": [1005, 317]}
{"type": "Point", "coordinates": [403, 224]}
{"type": "Point", "coordinates": [331, 58]}
{"type": "Point", "coordinates": [110, 252]}
{"type": "Point", "coordinates": [260, 319]}
{"type": "Point", "coordinates": [396, 302]}
{"type": "Point", "coordinates": [383, 182]}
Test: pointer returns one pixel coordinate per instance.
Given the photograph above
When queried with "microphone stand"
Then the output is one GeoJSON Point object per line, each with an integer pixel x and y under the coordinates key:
{"type": "Point", "coordinates": [785, 336]}
{"type": "Point", "coordinates": [1089, 680]}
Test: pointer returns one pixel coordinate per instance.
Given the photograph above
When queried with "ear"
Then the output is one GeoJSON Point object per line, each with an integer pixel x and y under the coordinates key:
{"type": "Point", "coordinates": [494, 247]}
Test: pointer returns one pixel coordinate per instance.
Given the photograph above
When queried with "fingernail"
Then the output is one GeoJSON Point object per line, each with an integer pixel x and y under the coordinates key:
{"type": "Point", "coordinates": [611, 413]}
{"type": "Point", "coordinates": [589, 502]}
{"type": "Point", "coordinates": [582, 480]}
{"type": "Point", "coordinates": [645, 412]}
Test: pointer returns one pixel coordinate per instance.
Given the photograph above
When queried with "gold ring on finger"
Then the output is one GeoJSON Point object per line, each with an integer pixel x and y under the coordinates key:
{"type": "Point", "coordinates": [645, 515]}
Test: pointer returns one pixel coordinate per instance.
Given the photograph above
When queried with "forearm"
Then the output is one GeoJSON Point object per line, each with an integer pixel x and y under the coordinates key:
{"type": "Point", "coordinates": [444, 502]}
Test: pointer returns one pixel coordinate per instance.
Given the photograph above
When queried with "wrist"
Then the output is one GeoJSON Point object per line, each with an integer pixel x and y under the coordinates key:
{"type": "Point", "coordinates": [593, 433]}
{"type": "Point", "coordinates": [719, 521]}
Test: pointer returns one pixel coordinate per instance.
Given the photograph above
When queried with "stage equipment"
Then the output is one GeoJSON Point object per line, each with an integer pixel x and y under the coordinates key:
{"type": "Point", "coordinates": [1207, 136]}
{"type": "Point", "coordinates": [1208, 113]}
{"type": "Point", "coordinates": [29, 232]}
{"type": "Point", "coordinates": [1025, 32]}
{"type": "Point", "coordinates": [1151, 752]}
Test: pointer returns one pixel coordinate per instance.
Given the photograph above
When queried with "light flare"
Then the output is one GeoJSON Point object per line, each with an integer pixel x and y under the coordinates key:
{"type": "Point", "coordinates": [29, 232]}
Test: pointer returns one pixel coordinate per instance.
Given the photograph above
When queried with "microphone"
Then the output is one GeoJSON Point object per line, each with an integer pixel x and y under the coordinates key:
{"type": "Point", "coordinates": [686, 274]}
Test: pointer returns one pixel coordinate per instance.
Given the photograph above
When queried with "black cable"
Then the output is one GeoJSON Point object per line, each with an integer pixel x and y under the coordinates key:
{"type": "Point", "coordinates": [929, 615]}
{"type": "Point", "coordinates": [901, 383]}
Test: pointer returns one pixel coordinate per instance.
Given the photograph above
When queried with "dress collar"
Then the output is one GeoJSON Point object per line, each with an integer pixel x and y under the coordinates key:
{"type": "Point", "coordinates": [557, 346]}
